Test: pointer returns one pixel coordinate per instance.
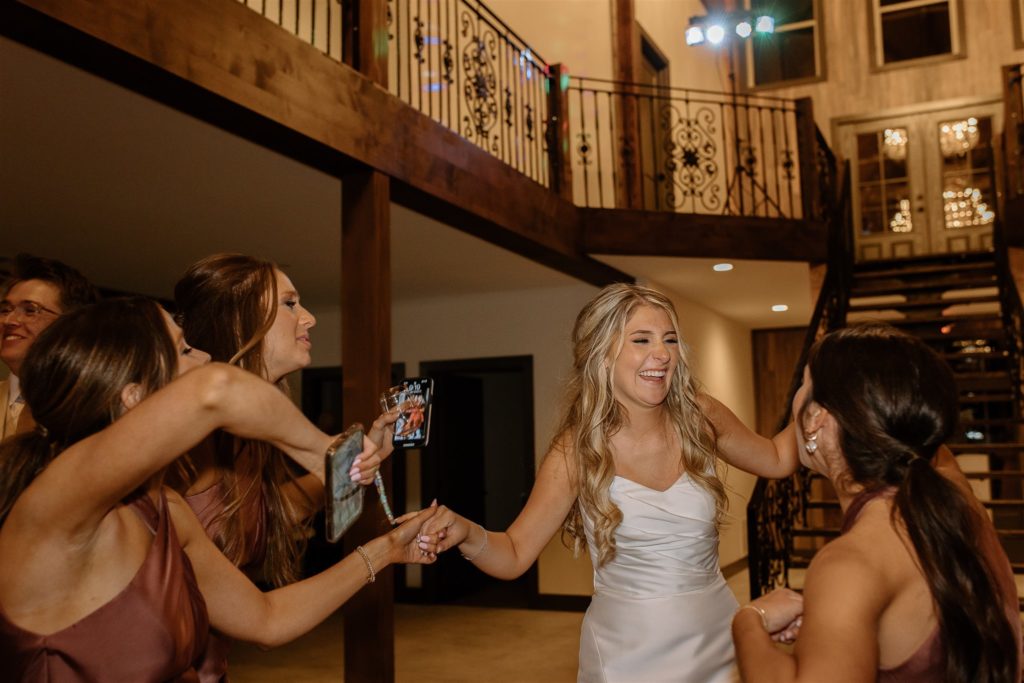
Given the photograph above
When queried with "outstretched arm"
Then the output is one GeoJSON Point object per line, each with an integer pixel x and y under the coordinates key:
{"type": "Point", "coordinates": [742, 447]}
{"type": "Point", "coordinates": [240, 610]}
{"type": "Point", "coordinates": [506, 555]}
{"type": "Point", "coordinates": [94, 474]}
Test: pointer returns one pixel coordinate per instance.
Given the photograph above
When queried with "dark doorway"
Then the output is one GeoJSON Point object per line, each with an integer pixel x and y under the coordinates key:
{"type": "Point", "coordinates": [480, 463]}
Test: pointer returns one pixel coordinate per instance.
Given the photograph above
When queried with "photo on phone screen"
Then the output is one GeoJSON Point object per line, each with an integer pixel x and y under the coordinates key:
{"type": "Point", "coordinates": [344, 496]}
{"type": "Point", "coordinates": [412, 430]}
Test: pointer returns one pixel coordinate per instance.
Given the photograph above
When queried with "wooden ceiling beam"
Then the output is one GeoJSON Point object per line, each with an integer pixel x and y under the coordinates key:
{"type": "Point", "coordinates": [661, 233]}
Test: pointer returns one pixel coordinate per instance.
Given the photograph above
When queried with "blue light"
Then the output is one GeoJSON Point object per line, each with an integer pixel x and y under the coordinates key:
{"type": "Point", "coordinates": [764, 24]}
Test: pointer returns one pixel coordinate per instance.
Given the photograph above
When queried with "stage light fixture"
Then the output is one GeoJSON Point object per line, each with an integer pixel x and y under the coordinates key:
{"type": "Point", "coordinates": [743, 28]}
{"type": "Point", "coordinates": [694, 35]}
{"type": "Point", "coordinates": [715, 34]}
{"type": "Point", "coordinates": [764, 24]}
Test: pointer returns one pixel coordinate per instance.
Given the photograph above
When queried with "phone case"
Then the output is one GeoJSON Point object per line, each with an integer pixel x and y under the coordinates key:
{"type": "Point", "coordinates": [344, 496]}
{"type": "Point", "coordinates": [412, 430]}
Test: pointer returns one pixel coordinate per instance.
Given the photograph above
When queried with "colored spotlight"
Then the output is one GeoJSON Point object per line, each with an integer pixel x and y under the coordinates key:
{"type": "Point", "coordinates": [694, 35]}
{"type": "Point", "coordinates": [722, 267]}
{"type": "Point", "coordinates": [715, 34]}
{"type": "Point", "coordinates": [764, 24]}
{"type": "Point", "coordinates": [744, 29]}
{"type": "Point", "coordinates": [779, 308]}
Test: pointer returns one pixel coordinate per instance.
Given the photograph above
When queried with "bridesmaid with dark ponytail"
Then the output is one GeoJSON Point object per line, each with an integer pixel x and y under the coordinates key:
{"type": "Point", "coordinates": [917, 587]}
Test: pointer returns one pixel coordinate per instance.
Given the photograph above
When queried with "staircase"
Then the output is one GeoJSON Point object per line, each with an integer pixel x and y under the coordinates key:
{"type": "Point", "coordinates": [954, 303]}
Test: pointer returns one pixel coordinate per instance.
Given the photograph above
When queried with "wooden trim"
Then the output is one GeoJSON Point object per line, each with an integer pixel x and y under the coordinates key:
{"type": "Point", "coordinates": [807, 146]}
{"type": "Point", "coordinates": [366, 355]}
{"type": "Point", "coordinates": [957, 39]}
{"type": "Point", "coordinates": [661, 233]}
{"type": "Point", "coordinates": [625, 60]}
{"type": "Point", "coordinates": [364, 47]}
{"type": "Point", "coordinates": [559, 136]}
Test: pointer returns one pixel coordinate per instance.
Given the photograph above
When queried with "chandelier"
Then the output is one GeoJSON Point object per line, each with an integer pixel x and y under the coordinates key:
{"type": "Point", "coordinates": [895, 144]}
{"type": "Point", "coordinates": [958, 137]}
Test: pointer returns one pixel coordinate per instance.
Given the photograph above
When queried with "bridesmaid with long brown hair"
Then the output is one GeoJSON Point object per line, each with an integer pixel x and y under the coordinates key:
{"type": "Point", "coordinates": [247, 312]}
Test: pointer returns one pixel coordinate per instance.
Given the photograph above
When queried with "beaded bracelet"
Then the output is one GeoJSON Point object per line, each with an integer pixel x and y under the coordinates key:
{"type": "Point", "coordinates": [759, 610]}
{"type": "Point", "coordinates": [369, 565]}
{"type": "Point", "coordinates": [480, 552]}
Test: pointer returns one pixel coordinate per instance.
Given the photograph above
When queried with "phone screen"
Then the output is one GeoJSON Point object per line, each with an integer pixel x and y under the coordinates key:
{"type": "Point", "coordinates": [344, 496]}
{"type": "Point", "coordinates": [412, 430]}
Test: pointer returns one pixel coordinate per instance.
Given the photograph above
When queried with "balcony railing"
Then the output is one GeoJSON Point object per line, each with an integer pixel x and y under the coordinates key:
{"type": "Point", "coordinates": [461, 65]}
{"type": "Point", "coordinates": [598, 143]}
{"type": "Point", "coordinates": [693, 151]}
{"type": "Point", "coordinates": [318, 22]}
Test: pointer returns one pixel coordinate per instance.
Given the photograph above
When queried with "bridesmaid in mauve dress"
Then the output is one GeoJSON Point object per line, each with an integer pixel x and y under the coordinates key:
{"type": "Point", "coordinates": [632, 474]}
{"type": "Point", "coordinates": [916, 588]}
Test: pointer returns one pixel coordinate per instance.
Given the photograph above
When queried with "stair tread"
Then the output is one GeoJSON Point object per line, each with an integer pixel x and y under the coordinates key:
{"type": "Point", "coordinates": [922, 303]}
{"type": "Point", "coordinates": [934, 285]}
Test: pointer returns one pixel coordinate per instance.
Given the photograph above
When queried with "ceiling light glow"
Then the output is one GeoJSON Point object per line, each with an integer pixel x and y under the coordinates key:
{"type": "Point", "coordinates": [715, 34]}
{"type": "Point", "coordinates": [744, 29]}
{"type": "Point", "coordinates": [694, 35]}
{"type": "Point", "coordinates": [722, 267]}
{"type": "Point", "coordinates": [779, 308]}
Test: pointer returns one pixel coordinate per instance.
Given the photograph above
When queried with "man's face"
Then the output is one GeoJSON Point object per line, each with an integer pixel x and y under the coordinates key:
{"type": "Point", "coordinates": [28, 308]}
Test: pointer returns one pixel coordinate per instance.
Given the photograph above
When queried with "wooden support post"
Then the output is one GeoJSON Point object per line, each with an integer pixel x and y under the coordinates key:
{"type": "Point", "coordinates": [366, 359]}
{"type": "Point", "coordinates": [626, 134]}
{"type": "Point", "coordinates": [807, 148]}
{"type": "Point", "coordinates": [366, 347]}
{"type": "Point", "coordinates": [1013, 125]}
{"type": "Point", "coordinates": [559, 142]}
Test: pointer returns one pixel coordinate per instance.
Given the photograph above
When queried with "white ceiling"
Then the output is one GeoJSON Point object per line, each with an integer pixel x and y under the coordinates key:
{"type": "Point", "coordinates": [131, 192]}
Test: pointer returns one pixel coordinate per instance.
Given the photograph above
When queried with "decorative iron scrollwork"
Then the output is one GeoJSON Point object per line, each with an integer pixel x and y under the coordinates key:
{"type": "Point", "coordinates": [417, 39]}
{"type": "Point", "coordinates": [691, 166]}
{"type": "Point", "coordinates": [389, 18]}
{"type": "Point", "coordinates": [788, 164]}
{"type": "Point", "coordinates": [479, 84]}
{"type": "Point", "coordinates": [447, 61]}
{"type": "Point", "coordinates": [508, 106]}
{"type": "Point", "coordinates": [529, 123]}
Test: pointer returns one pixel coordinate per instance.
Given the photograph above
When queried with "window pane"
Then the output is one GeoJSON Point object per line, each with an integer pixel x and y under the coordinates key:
{"type": "Point", "coordinates": [784, 56]}
{"type": "Point", "coordinates": [784, 11]}
{"type": "Point", "coordinates": [897, 206]}
{"type": "Point", "coordinates": [916, 32]}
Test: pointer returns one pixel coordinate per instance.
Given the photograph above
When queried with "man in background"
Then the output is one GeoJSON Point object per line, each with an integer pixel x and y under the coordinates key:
{"type": "Point", "coordinates": [38, 292]}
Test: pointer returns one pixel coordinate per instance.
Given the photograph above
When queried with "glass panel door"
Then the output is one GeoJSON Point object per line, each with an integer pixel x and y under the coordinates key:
{"type": "Point", "coordinates": [922, 183]}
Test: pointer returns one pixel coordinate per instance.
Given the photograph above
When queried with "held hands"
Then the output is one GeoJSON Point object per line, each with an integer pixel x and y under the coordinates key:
{"type": "Point", "coordinates": [377, 447]}
{"type": "Point", "coordinates": [404, 538]}
{"type": "Point", "coordinates": [783, 613]}
{"type": "Point", "coordinates": [446, 530]}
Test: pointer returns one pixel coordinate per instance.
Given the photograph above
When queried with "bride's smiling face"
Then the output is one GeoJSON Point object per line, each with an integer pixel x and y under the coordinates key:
{"type": "Point", "coordinates": [643, 370]}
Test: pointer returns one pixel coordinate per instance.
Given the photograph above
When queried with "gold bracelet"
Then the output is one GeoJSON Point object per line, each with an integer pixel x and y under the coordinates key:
{"type": "Point", "coordinates": [759, 610]}
{"type": "Point", "coordinates": [369, 565]}
{"type": "Point", "coordinates": [480, 552]}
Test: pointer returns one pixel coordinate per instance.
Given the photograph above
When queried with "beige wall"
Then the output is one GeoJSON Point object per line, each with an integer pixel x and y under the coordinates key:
{"type": "Point", "coordinates": [853, 87]}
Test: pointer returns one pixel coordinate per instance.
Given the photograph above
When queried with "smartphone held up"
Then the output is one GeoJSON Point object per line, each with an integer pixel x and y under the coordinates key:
{"type": "Point", "coordinates": [412, 398]}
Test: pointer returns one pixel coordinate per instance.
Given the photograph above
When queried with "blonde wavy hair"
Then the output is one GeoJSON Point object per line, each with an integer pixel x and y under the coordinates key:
{"type": "Point", "coordinates": [592, 415]}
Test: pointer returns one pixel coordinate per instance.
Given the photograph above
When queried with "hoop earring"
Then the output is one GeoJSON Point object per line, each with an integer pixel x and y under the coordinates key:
{"type": "Point", "coordinates": [811, 443]}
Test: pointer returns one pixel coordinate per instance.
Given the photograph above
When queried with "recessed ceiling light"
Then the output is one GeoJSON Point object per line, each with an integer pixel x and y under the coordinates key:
{"type": "Point", "coordinates": [722, 267]}
{"type": "Point", "coordinates": [779, 308]}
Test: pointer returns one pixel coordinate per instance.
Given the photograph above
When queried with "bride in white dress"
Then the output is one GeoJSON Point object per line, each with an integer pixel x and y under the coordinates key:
{"type": "Point", "coordinates": [631, 474]}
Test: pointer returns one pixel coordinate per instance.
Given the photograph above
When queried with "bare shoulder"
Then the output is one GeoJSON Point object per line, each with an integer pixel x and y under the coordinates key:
{"type": "Point", "coordinates": [848, 570]}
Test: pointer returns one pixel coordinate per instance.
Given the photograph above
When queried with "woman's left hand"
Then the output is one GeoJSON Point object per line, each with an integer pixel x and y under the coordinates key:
{"type": "Point", "coordinates": [366, 464]}
{"type": "Point", "coordinates": [783, 612]}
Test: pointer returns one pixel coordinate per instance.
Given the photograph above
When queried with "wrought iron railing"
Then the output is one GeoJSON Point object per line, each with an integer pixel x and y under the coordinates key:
{"type": "Point", "coordinates": [673, 149]}
{"type": "Point", "coordinates": [318, 22]}
{"type": "Point", "coordinates": [461, 65]}
{"type": "Point", "coordinates": [776, 505]}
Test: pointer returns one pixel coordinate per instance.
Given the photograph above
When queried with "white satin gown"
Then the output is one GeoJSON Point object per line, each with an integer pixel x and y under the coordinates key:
{"type": "Point", "coordinates": [661, 609]}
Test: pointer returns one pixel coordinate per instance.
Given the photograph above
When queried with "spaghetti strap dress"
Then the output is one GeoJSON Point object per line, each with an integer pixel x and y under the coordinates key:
{"type": "Point", "coordinates": [154, 630]}
{"type": "Point", "coordinates": [661, 609]}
